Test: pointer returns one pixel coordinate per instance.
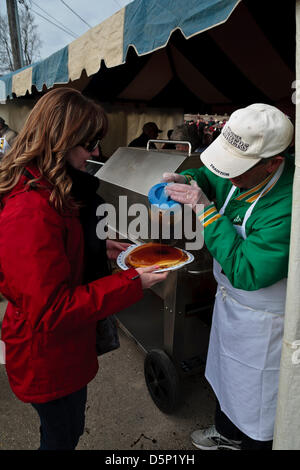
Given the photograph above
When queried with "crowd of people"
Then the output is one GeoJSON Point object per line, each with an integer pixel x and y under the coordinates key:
{"type": "Point", "coordinates": [199, 133]}
{"type": "Point", "coordinates": [208, 129]}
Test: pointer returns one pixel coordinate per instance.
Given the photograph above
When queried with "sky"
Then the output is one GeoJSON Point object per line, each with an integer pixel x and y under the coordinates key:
{"type": "Point", "coordinates": [53, 38]}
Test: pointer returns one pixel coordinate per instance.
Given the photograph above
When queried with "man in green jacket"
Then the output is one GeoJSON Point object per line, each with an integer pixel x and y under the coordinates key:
{"type": "Point", "coordinates": [243, 198]}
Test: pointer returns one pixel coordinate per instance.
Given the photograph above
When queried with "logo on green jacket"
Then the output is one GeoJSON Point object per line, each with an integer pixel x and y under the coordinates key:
{"type": "Point", "coordinates": [237, 220]}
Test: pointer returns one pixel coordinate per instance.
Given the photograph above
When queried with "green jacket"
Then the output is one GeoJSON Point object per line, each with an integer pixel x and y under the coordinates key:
{"type": "Point", "coordinates": [262, 258]}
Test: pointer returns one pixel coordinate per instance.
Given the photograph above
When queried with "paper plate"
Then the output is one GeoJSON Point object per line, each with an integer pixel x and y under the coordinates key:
{"type": "Point", "coordinates": [122, 256]}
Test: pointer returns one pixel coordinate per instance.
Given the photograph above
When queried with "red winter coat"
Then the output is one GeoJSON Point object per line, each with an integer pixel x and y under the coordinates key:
{"type": "Point", "coordinates": [49, 327]}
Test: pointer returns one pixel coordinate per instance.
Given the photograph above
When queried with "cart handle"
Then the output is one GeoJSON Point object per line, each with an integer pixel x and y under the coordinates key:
{"type": "Point", "coordinates": [94, 161]}
{"type": "Point", "coordinates": [166, 141]}
{"type": "Point", "coordinates": [199, 272]}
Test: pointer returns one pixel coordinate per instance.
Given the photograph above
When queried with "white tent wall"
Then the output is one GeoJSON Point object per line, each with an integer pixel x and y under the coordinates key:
{"type": "Point", "coordinates": [287, 427]}
{"type": "Point", "coordinates": [15, 113]}
{"type": "Point", "coordinates": [125, 124]}
{"type": "Point", "coordinates": [165, 120]}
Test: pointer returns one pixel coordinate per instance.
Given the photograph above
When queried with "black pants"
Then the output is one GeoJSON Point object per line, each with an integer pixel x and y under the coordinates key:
{"type": "Point", "coordinates": [225, 427]}
{"type": "Point", "coordinates": [62, 421]}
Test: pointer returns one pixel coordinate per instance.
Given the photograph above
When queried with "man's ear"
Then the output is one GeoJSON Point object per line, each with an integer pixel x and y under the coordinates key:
{"type": "Point", "coordinates": [274, 163]}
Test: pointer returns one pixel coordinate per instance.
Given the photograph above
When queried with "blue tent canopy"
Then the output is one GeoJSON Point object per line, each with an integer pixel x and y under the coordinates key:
{"type": "Point", "coordinates": [148, 24]}
{"type": "Point", "coordinates": [211, 55]}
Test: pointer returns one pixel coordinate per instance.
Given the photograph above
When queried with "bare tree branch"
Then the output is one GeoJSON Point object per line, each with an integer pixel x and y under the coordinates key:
{"type": "Point", "coordinates": [31, 42]}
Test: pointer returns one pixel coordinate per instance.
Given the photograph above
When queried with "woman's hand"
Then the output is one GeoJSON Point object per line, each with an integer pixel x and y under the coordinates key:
{"type": "Point", "coordinates": [149, 278]}
{"type": "Point", "coordinates": [114, 248]}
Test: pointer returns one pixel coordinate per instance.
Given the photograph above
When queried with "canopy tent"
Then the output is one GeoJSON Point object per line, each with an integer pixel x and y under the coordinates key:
{"type": "Point", "coordinates": [154, 61]}
{"type": "Point", "coordinates": [221, 69]}
{"type": "Point", "coordinates": [213, 56]}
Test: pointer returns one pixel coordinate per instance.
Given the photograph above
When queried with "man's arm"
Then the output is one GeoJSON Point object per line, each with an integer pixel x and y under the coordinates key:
{"type": "Point", "coordinates": [256, 262]}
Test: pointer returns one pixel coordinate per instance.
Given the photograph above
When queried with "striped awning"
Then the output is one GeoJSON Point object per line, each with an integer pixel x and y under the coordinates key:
{"type": "Point", "coordinates": [210, 55]}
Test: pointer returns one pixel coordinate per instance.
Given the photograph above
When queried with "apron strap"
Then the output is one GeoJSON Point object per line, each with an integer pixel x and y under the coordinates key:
{"type": "Point", "coordinates": [233, 188]}
{"type": "Point", "coordinates": [249, 211]}
{"type": "Point", "coordinates": [265, 189]}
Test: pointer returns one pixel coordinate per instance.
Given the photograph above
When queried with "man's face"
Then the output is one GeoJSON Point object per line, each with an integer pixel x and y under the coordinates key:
{"type": "Point", "coordinates": [153, 133]}
{"type": "Point", "coordinates": [251, 177]}
{"type": "Point", "coordinates": [257, 173]}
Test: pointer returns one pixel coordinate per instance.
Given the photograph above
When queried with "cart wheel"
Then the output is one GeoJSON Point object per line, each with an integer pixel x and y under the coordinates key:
{"type": "Point", "coordinates": [162, 380]}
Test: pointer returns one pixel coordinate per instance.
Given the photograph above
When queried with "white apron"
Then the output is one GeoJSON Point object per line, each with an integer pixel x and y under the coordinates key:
{"type": "Point", "coordinates": [245, 347]}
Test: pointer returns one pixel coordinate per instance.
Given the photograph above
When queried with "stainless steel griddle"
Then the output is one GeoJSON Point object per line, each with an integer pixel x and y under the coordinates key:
{"type": "Point", "coordinates": [171, 323]}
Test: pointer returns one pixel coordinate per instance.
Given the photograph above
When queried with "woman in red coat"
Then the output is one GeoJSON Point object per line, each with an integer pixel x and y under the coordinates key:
{"type": "Point", "coordinates": [49, 328]}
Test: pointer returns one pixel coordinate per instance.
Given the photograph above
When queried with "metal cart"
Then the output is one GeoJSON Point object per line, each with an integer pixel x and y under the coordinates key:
{"type": "Point", "coordinates": [171, 323]}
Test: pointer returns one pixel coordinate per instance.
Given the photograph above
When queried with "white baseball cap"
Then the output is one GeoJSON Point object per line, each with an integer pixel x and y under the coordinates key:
{"type": "Point", "coordinates": [252, 133]}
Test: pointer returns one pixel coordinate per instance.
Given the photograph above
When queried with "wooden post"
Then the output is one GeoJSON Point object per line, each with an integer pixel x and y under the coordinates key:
{"type": "Point", "coordinates": [15, 35]}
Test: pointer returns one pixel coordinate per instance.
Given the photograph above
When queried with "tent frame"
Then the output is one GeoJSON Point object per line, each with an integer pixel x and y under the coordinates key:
{"type": "Point", "coordinates": [287, 435]}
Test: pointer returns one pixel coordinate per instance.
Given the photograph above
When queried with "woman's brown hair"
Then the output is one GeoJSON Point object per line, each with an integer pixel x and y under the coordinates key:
{"type": "Point", "coordinates": [62, 119]}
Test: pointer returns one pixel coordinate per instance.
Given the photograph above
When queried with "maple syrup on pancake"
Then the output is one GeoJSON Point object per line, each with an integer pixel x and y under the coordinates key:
{"type": "Point", "coordinates": [153, 253]}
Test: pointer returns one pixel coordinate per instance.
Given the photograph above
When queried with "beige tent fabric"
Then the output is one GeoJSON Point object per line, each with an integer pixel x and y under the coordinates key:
{"type": "Point", "coordinates": [164, 118]}
{"type": "Point", "coordinates": [15, 113]}
{"type": "Point", "coordinates": [124, 124]}
{"type": "Point", "coordinates": [104, 41]}
{"type": "Point", "coordinates": [22, 81]}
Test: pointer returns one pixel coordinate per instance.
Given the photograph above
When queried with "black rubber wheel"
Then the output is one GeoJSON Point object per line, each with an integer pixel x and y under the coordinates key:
{"type": "Point", "coordinates": [162, 380]}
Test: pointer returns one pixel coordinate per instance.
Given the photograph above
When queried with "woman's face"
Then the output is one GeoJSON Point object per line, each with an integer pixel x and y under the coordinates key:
{"type": "Point", "coordinates": [78, 156]}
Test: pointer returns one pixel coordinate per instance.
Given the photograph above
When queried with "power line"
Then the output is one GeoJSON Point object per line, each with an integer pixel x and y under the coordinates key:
{"type": "Point", "coordinates": [62, 1]}
{"type": "Point", "coordinates": [59, 22]}
{"type": "Point", "coordinates": [49, 21]}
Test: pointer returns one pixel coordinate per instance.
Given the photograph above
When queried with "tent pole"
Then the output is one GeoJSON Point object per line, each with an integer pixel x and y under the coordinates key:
{"type": "Point", "coordinates": [287, 425]}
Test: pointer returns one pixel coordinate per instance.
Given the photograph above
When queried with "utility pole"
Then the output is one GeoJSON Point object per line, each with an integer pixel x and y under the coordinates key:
{"type": "Point", "coordinates": [15, 33]}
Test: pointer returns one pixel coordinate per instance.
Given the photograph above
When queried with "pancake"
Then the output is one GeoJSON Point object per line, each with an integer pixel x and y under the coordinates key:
{"type": "Point", "coordinates": [155, 254]}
